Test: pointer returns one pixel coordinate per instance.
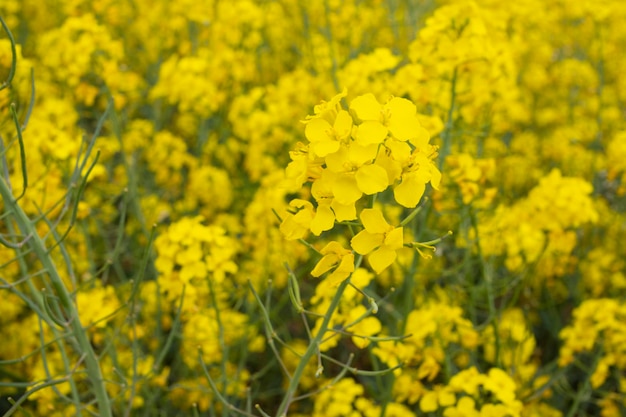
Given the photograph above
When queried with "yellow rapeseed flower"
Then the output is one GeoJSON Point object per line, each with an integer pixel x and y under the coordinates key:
{"type": "Point", "coordinates": [335, 256]}
{"type": "Point", "coordinates": [379, 240]}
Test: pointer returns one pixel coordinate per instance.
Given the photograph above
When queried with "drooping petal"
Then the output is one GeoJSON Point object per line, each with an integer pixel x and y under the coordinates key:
{"type": "Point", "coordinates": [409, 192]}
{"type": "Point", "coordinates": [435, 178]}
{"type": "Point", "coordinates": [333, 254]}
{"type": "Point", "coordinates": [296, 226]}
{"type": "Point", "coordinates": [323, 220]}
{"type": "Point", "coordinates": [366, 107]}
{"type": "Point", "coordinates": [365, 242]}
{"type": "Point", "coordinates": [374, 221]}
{"type": "Point", "coordinates": [334, 247]}
{"type": "Point", "coordinates": [343, 212]}
{"type": "Point", "coordinates": [325, 264]}
{"type": "Point", "coordinates": [381, 258]}
{"type": "Point", "coordinates": [371, 179]}
{"type": "Point", "coordinates": [343, 270]}
{"type": "Point", "coordinates": [291, 229]}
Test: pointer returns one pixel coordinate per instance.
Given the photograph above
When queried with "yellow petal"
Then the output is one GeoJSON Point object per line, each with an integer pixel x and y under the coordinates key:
{"type": "Point", "coordinates": [343, 212]}
{"type": "Point", "coordinates": [395, 239]}
{"type": "Point", "coordinates": [359, 155]}
{"type": "Point", "coordinates": [295, 226]}
{"type": "Point", "coordinates": [335, 162]}
{"type": "Point", "coordinates": [405, 129]}
{"type": "Point", "coordinates": [325, 264]}
{"type": "Point", "coordinates": [321, 189]}
{"type": "Point", "coordinates": [400, 151]}
{"type": "Point", "coordinates": [374, 221]}
{"type": "Point", "coordinates": [323, 220]}
{"type": "Point", "coordinates": [366, 107]}
{"type": "Point", "coordinates": [370, 132]}
{"type": "Point", "coordinates": [365, 242]}
{"type": "Point", "coordinates": [435, 178]}
{"type": "Point", "coordinates": [343, 270]}
{"type": "Point", "coordinates": [325, 147]}
{"type": "Point", "coordinates": [409, 192]}
{"type": "Point", "coordinates": [381, 258]}
{"type": "Point", "coordinates": [368, 326]}
{"type": "Point", "coordinates": [317, 130]}
{"type": "Point", "coordinates": [291, 229]}
{"type": "Point", "coordinates": [446, 398]}
{"type": "Point", "coordinates": [401, 108]}
{"type": "Point", "coordinates": [371, 179]}
{"type": "Point", "coordinates": [343, 125]}
{"type": "Point", "coordinates": [334, 247]}
{"type": "Point", "coordinates": [345, 189]}
{"type": "Point", "coordinates": [428, 403]}
{"type": "Point", "coordinates": [391, 167]}
{"type": "Point", "coordinates": [421, 138]}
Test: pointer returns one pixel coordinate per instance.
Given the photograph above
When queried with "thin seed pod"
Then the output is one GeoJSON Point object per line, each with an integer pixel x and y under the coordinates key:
{"type": "Point", "coordinates": [22, 151]}
{"type": "Point", "coordinates": [81, 188]}
{"type": "Point", "coordinates": [53, 310]}
{"type": "Point", "coordinates": [31, 104]}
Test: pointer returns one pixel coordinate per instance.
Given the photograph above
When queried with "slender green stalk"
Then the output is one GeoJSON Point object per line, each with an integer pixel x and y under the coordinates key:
{"type": "Point", "coordinates": [11, 74]}
{"type": "Point", "coordinates": [270, 334]}
{"type": "Point", "coordinates": [311, 350]}
{"type": "Point", "coordinates": [446, 135]}
{"type": "Point", "coordinates": [331, 45]}
{"type": "Point", "coordinates": [20, 141]}
{"type": "Point", "coordinates": [17, 404]}
{"type": "Point", "coordinates": [82, 339]}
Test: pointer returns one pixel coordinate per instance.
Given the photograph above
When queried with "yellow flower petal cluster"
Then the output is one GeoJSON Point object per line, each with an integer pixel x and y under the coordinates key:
{"type": "Point", "coordinates": [362, 151]}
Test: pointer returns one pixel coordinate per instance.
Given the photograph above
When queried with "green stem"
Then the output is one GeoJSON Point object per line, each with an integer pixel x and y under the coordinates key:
{"type": "Point", "coordinates": [39, 248]}
{"type": "Point", "coordinates": [331, 45]}
{"type": "Point", "coordinates": [446, 135]}
{"type": "Point", "coordinates": [311, 350]}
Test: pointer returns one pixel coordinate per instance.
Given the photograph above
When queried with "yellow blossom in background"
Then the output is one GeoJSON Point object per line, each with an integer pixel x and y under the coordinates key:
{"type": "Point", "coordinates": [362, 326]}
{"type": "Point", "coordinates": [440, 397]}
